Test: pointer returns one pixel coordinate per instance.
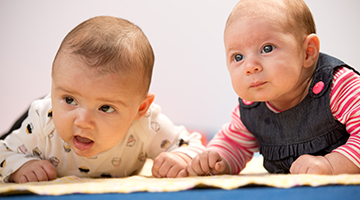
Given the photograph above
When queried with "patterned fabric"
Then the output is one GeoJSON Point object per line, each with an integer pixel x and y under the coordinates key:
{"type": "Point", "coordinates": [307, 128]}
{"type": "Point", "coordinates": [146, 138]}
{"type": "Point", "coordinates": [237, 145]}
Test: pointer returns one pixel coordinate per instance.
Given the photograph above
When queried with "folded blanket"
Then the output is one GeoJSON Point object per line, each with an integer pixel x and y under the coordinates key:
{"type": "Point", "coordinates": [253, 175]}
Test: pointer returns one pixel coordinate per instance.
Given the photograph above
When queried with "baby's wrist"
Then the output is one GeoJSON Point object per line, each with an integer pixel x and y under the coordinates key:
{"type": "Point", "coordinates": [341, 164]}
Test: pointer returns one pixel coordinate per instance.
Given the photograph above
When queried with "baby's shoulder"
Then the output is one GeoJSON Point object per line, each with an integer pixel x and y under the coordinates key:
{"type": "Point", "coordinates": [343, 73]}
{"type": "Point", "coordinates": [40, 115]}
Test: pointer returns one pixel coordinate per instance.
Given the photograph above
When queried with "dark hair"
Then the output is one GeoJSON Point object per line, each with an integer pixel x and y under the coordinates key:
{"type": "Point", "coordinates": [112, 45]}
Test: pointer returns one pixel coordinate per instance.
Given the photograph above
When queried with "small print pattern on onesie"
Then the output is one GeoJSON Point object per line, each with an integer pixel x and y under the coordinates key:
{"type": "Point", "coordinates": [131, 141]}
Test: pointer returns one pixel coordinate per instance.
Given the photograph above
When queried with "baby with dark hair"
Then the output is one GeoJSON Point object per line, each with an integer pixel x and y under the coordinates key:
{"type": "Point", "coordinates": [99, 119]}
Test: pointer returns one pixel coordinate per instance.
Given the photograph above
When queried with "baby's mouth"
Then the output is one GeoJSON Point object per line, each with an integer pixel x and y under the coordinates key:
{"type": "Point", "coordinates": [82, 143]}
{"type": "Point", "coordinates": [257, 84]}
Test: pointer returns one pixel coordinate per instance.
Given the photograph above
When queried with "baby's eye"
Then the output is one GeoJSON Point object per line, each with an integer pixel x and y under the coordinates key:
{"type": "Point", "coordinates": [238, 57]}
{"type": "Point", "coordinates": [268, 49]}
{"type": "Point", "coordinates": [107, 109]}
{"type": "Point", "coordinates": [70, 101]}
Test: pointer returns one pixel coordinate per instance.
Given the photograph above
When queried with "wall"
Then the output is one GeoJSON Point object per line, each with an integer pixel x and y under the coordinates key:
{"type": "Point", "coordinates": [190, 79]}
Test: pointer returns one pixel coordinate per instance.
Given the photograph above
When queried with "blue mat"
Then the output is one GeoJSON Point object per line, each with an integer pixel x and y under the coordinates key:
{"type": "Point", "coordinates": [348, 192]}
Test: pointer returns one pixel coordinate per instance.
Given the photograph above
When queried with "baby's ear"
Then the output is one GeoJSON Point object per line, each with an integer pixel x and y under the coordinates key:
{"type": "Point", "coordinates": [145, 105]}
{"type": "Point", "coordinates": [311, 47]}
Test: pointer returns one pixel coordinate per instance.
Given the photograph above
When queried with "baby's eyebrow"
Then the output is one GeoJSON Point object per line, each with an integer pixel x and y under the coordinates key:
{"type": "Point", "coordinates": [103, 99]}
{"type": "Point", "coordinates": [65, 90]}
{"type": "Point", "coordinates": [113, 101]}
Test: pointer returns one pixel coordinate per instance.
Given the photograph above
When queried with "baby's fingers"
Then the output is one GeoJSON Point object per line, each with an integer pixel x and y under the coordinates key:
{"type": "Point", "coordinates": [29, 177]}
{"type": "Point", "coordinates": [32, 176]}
{"type": "Point", "coordinates": [34, 171]}
{"type": "Point", "coordinates": [215, 161]}
{"type": "Point", "coordinates": [294, 168]}
{"type": "Point", "coordinates": [41, 175]}
{"type": "Point", "coordinates": [43, 170]}
{"type": "Point", "coordinates": [47, 173]}
{"type": "Point", "coordinates": [194, 168]}
{"type": "Point", "coordinates": [155, 173]}
{"type": "Point", "coordinates": [204, 160]}
{"type": "Point", "coordinates": [182, 173]}
{"type": "Point", "coordinates": [206, 164]}
{"type": "Point", "coordinates": [219, 167]}
{"type": "Point", "coordinates": [190, 170]}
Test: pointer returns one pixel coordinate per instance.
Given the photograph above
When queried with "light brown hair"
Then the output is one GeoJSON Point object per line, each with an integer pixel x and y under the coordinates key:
{"type": "Point", "coordinates": [294, 15]}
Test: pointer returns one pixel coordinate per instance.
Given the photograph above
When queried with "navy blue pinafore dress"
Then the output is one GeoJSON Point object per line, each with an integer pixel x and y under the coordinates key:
{"type": "Point", "coordinates": [307, 128]}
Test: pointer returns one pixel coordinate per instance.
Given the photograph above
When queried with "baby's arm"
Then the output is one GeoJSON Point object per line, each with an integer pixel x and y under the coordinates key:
{"type": "Point", "coordinates": [345, 106]}
{"type": "Point", "coordinates": [173, 162]}
{"type": "Point", "coordinates": [34, 171]}
{"type": "Point", "coordinates": [208, 163]}
{"type": "Point", "coordinates": [171, 147]}
{"type": "Point", "coordinates": [18, 164]}
{"type": "Point", "coordinates": [229, 150]}
{"type": "Point", "coordinates": [23, 148]}
{"type": "Point", "coordinates": [332, 163]}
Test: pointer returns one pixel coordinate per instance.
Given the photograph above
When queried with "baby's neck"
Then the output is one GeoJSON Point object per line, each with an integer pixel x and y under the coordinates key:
{"type": "Point", "coordinates": [283, 103]}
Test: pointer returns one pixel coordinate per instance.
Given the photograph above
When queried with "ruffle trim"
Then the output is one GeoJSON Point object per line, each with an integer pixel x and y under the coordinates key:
{"type": "Point", "coordinates": [324, 142]}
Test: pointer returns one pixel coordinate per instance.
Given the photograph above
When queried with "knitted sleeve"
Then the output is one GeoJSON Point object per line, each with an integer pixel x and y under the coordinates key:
{"type": "Point", "coordinates": [345, 106]}
{"type": "Point", "coordinates": [234, 143]}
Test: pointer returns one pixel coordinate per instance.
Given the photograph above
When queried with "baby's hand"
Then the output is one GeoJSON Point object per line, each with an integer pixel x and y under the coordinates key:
{"type": "Point", "coordinates": [307, 164]}
{"type": "Point", "coordinates": [170, 165]}
{"type": "Point", "coordinates": [34, 171]}
{"type": "Point", "coordinates": [208, 163]}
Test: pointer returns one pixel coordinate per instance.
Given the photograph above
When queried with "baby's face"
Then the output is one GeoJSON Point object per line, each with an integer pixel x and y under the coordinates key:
{"type": "Point", "coordinates": [91, 111]}
{"type": "Point", "coordinates": [265, 62]}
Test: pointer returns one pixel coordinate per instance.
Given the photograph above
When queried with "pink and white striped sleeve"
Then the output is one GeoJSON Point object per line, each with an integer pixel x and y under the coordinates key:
{"type": "Point", "coordinates": [234, 143]}
{"type": "Point", "coordinates": [345, 106]}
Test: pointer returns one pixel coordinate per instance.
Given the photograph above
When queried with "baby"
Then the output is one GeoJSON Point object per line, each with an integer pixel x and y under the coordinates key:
{"type": "Point", "coordinates": [298, 107]}
{"type": "Point", "coordinates": [99, 119]}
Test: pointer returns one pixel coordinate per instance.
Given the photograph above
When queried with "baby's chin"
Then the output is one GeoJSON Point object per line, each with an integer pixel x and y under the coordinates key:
{"type": "Point", "coordinates": [87, 154]}
{"type": "Point", "coordinates": [249, 99]}
{"type": "Point", "coordinates": [253, 98]}
{"type": "Point", "coordinates": [90, 153]}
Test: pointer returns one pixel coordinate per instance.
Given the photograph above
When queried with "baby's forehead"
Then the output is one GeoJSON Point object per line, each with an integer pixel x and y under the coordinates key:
{"type": "Point", "coordinates": [274, 12]}
{"type": "Point", "coordinates": [268, 10]}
